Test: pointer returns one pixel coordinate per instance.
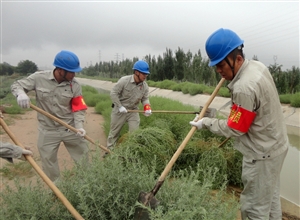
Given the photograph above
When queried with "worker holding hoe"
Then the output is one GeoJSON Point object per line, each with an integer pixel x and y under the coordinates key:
{"type": "Point", "coordinates": [60, 94]}
{"type": "Point", "coordinates": [256, 121]}
{"type": "Point", "coordinates": [128, 92]}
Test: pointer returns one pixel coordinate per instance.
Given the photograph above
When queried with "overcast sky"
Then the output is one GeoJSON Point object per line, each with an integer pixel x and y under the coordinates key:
{"type": "Point", "coordinates": [116, 30]}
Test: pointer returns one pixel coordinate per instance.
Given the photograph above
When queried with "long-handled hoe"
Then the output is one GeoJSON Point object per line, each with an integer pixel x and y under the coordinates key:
{"type": "Point", "coordinates": [46, 179]}
{"type": "Point", "coordinates": [66, 125]}
{"type": "Point", "coordinates": [148, 199]}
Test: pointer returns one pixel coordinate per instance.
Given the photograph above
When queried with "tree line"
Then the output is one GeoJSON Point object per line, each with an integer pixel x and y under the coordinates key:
{"type": "Point", "coordinates": [178, 66]}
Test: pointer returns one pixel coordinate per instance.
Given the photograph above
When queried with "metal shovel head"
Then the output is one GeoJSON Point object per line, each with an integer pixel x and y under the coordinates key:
{"type": "Point", "coordinates": [147, 199]}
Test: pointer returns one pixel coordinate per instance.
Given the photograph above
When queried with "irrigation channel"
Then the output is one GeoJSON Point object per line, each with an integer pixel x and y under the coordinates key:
{"type": "Point", "coordinates": [290, 175]}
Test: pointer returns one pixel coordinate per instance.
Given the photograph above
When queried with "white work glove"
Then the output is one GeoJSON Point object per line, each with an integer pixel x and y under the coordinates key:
{"type": "Point", "coordinates": [81, 132]}
{"type": "Point", "coordinates": [147, 113]}
{"type": "Point", "coordinates": [198, 124]}
{"type": "Point", "coordinates": [23, 100]}
{"type": "Point", "coordinates": [25, 152]}
{"type": "Point", "coordinates": [122, 109]}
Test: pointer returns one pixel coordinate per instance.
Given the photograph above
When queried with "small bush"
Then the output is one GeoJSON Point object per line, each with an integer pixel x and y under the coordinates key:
{"type": "Point", "coordinates": [167, 84]}
{"type": "Point", "coordinates": [176, 87]}
{"type": "Point", "coordinates": [89, 89]}
{"type": "Point", "coordinates": [285, 98]}
{"type": "Point", "coordinates": [185, 87]}
{"type": "Point", "coordinates": [195, 89]}
{"type": "Point", "coordinates": [224, 92]}
{"type": "Point", "coordinates": [295, 100]}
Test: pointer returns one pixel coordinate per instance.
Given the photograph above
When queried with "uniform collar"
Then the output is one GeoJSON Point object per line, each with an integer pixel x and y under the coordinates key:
{"type": "Point", "coordinates": [238, 74]}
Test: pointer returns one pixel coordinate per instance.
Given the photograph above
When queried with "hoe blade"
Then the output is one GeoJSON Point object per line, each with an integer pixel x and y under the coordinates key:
{"type": "Point", "coordinates": [147, 199]}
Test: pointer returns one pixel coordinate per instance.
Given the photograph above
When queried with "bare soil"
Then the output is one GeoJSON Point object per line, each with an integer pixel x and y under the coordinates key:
{"type": "Point", "coordinates": [24, 128]}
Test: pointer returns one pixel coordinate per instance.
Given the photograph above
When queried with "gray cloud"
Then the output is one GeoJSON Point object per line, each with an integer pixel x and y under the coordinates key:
{"type": "Point", "coordinates": [96, 31]}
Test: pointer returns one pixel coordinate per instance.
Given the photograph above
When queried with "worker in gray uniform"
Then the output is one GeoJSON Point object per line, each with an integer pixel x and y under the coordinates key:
{"type": "Point", "coordinates": [58, 93]}
{"type": "Point", "coordinates": [255, 121]}
{"type": "Point", "coordinates": [9, 151]}
{"type": "Point", "coordinates": [128, 92]}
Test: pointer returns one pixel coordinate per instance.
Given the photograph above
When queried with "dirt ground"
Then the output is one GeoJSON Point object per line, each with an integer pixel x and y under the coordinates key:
{"type": "Point", "coordinates": [24, 128]}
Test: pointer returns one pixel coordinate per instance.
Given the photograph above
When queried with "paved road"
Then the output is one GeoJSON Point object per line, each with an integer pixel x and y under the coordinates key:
{"type": "Point", "coordinates": [291, 114]}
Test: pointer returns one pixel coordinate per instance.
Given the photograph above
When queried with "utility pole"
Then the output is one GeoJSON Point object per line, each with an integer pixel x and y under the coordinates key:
{"type": "Point", "coordinates": [99, 61]}
{"type": "Point", "coordinates": [275, 58]}
{"type": "Point", "coordinates": [117, 57]}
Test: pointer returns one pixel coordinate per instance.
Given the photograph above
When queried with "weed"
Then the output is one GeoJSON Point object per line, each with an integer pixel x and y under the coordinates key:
{"type": "Point", "coordinates": [22, 168]}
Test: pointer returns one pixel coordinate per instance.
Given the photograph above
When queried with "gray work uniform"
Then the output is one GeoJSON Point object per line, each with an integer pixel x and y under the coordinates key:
{"type": "Point", "coordinates": [55, 98]}
{"type": "Point", "coordinates": [128, 94]}
{"type": "Point", "coordinates": [264, 146]}
{"type": "Point", "coordinates": [9, 151]}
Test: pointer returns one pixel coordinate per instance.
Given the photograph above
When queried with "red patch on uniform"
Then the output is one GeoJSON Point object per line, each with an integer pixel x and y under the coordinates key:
{"type": "Point", "coordinates": [147, 107]}
{"type": "Point", "coordinates": [78, 104]}
{"type": "Point", "coordinates": [240, 119]}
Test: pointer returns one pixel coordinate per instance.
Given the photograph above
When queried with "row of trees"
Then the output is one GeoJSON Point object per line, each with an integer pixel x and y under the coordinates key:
{"type": "Point", "coordinates": [181, 66]}
{"type": "Point", "coordinates": [178, 66]}
{"type": "Point", "coordinates": [24, 67]}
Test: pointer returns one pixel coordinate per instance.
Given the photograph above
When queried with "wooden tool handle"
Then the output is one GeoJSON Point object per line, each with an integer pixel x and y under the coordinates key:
{"type": "Point", "coordinates": [43, 175]}
{"type": "Point", "coordinates": [66, 125]}
{"type": "Point", "coordinates": [190, 134]}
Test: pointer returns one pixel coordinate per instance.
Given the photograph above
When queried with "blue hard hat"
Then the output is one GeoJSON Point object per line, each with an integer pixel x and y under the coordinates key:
{"type": "Point", "coordinates": [141, 66]}
{"type": "Point", "coordinates": [220, 43]}
{"type": "Point", "coordinates": [67, 60]}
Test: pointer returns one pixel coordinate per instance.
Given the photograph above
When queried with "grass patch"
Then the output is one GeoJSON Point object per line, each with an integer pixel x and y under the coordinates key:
{"type": "Point", "coordinates": [17, 169]}
{"type": "Point", "coordinates": [109, 188]}
{"type": "Point", "coordinates": [295, 100]}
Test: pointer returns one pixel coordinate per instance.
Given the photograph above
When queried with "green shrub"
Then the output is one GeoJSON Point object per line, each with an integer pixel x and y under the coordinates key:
{"type": "Point", "coordinates": [208, 90]}
{"type": "Point", "coordinates": [195, 89]}
{"type": "Point", "coordinates": [185, 87]}
{"type": "Point", "coordinates": [167, 84]}
{"type": "Point", "coordinates": [91, 99]}
{"type": "Point", "coordinates": [109, 189]}
{"type": "Point", "coordinates": [176, 87]}
{"type": "Point", "coordinates": [90, 89]}
{"type": "Point", "coordinates": [295, 100]}
{"type": "Point", "coordinates": [285, 98]}
{"type": "Point", "coordinates": [224, 92]}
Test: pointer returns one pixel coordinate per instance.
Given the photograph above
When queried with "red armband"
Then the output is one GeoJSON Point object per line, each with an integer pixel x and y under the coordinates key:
{"type": "Point", "coordinates": [78, 104]}
{"type": "Point", "coordinates": [147, 107]}
{"type": "Point", "coordinates": [240, 119]}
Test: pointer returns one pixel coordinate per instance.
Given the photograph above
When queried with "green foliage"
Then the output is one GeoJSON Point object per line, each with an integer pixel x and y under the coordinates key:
{"type": "Point", "coordinates": [90, 89]}
{"type": "Point", "coordinates": [185, 87]}
{"type": "Point", "coordinates": [6, 69]}
{"type": "Point", "coordinates": [151, 143]}
{"type": "Point", "coordinates": [109, 189]}
{"type": "Point", "coordinates": [195, 89]}
{"type": "Point", "coordinates": [151, 83]}
{"type": "Point", "coordinates": [12, 170]}
{"type": "Point", "coordinates": [26, 66]}
{"type": "Point", "coordinates": [11, 105]}
{"type": "Point", "coordinates": [167, 84]}
{"type": "Point", "coordinates": [23, 201]}
{"type": "Point", "coordinates": [295, 100]}
{"type": "Point", "coordinates": [224, 92]}
{"type": "Point", "coordinates": [176, 87]}
{"type": "Point", "coordinates": [91, 99]}
{"type": "Point", "coordinates": [285, 98]}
